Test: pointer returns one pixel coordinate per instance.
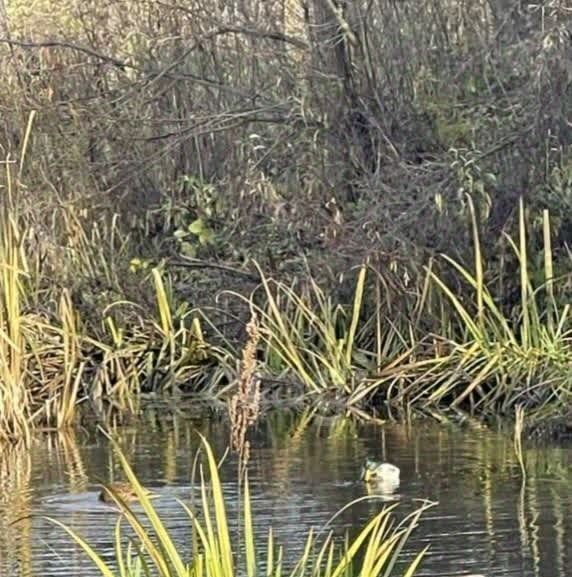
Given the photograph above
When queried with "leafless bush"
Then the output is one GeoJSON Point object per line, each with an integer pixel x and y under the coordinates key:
{"type": "Point", "coordinates": [323, 127]}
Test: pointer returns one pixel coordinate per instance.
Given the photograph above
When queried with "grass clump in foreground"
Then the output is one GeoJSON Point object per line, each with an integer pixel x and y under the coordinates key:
{"type": "Point", "coordinates": [375, 549]}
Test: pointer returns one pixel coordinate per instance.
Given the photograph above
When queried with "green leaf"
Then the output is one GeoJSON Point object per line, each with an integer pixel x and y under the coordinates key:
{"type": "Point", "coordinates": [197, 227]}
{"type": "Point", "coordinates": [206, 237]}
{"type": "Point", "coordinates": [188, 249]}
{"type": "Point", "coordinates": [180, 234]}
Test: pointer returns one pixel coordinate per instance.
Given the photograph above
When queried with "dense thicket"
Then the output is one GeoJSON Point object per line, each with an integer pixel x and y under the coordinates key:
{"type": "Point", "coordinates": [195, 139]}
{"type": "Point", "coordinates": [326, 128]}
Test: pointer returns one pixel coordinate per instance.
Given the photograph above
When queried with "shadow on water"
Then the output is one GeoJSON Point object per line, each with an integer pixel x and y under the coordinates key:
{"type": "Point", "coordinates": [302, 471]}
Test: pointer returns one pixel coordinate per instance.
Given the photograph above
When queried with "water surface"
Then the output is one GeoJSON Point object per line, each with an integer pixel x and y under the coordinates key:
{"type": "Point", "coordinates": [302, 471]}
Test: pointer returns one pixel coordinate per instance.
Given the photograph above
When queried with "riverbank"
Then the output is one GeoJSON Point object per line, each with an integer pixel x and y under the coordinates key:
{"type": "Point", "coordinates": [447, 343]}
{"type": "Point", "coordinates": [394, 242]}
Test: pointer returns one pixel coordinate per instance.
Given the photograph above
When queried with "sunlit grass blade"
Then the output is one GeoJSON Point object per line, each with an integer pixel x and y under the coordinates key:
{"type": "Point", "coordinates": [163, 305]}
{"type": "Point", "coordinates": [171, 556]}
{"type": "Point", "coordinates": [473, 328]}
{"type": "Point", "coordinates": [220, 512]}
{"type": "Point", "coordinates": [411, 570]}
{"type": "Point", "coordinates": [479, 277]}
{"type": "Point", "coordinates": [102, 567]}
{"type": "Point", "coordinates": [524, 282]}
{"type": "Point", "coordinates": [249, 532]}
{"type": "Point", "coordinates": [356, 311]}
{"type": "Point", "coordinates": [548, 268]}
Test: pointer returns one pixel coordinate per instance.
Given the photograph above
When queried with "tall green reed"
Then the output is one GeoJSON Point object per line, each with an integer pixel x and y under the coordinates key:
{"type": "Point", "coordinates": [499, 361]}
{"type": "Point", "coordinates": [15, 402]}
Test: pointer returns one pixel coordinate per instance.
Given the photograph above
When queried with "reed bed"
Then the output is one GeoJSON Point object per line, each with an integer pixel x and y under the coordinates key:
{"type": "Point", "coordinates": [56, 358]}
{"type": "Point", "coordinates": [498, 362]}
{"type": "Point", "coordinates": [356, 357]}
{"type": "Point", "coordinates": [477, 357]}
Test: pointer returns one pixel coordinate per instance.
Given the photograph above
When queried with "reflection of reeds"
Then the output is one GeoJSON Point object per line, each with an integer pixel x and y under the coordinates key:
{"type": "Point", "coordinates": [244, 405]}
{"type": "Point", "coordinates": [15, 520]}
{"type": "Point", "coordinates": [73, 460]}
{"type": "Point", "coordinates": [518, 428]}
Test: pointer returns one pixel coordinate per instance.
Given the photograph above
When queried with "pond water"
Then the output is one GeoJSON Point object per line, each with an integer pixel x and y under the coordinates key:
{"type": "Point", "coordinates": [302, 471]}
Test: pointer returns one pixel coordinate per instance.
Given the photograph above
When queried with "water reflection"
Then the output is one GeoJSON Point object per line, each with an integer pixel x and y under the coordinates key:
{"type": "Point", "coordinates": [302, 471]}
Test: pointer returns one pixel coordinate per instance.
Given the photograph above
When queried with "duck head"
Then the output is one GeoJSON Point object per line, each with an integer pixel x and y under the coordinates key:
{"type": "Point", "coordinates": [379, 472]}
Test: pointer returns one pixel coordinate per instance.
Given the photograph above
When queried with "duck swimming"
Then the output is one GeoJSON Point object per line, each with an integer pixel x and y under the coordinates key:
{"type": "Point", "coordinates": [373, 471]}
{"type": "Point", "coordinates": [122, 490]}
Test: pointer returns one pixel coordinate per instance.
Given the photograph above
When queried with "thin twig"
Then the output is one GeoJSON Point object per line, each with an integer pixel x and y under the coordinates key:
{"type": "Point", "coordinates": [198, 263]}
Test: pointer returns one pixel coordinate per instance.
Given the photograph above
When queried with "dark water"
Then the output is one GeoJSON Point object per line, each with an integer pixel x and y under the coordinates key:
{"type": "Point", "coordinates": [302, 471]}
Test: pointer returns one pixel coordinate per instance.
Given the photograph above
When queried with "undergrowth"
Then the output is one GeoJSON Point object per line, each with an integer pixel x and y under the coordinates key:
{"type": "Point", "coordinates": [156, 193]}
{"type": "Point", "coordinates": [457, 346]}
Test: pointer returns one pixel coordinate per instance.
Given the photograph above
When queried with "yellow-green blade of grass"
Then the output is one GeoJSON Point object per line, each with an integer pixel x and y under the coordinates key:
{"type": "Point", "coordinates": [155, 553]}
{"type": "Point", "coordinates": [356, 544]}
{"type": "Point", "coordinates": [301, 566]}
{"type": "Point", "coordinates": [330, 562]}
{"type": "Point", "coordinates": [162, 303]}
{"type": "Point", "coordinates": [356, 311]}
{"type": "Point", "coordinates": [214, 560]}
{"type": "Point", "coordinates": [409, 523]}
{"type": "Point", "coordinates": [98, 561]}
{"type": "Point", "coordinates": [562, 321]}
{"type": "Point", "coordinates": [208, 545]}
{"type": "Point", "coordinates": [123, 571]}
{"type": "Point", "coordinates": [415, 563]}
{"type": "Point", "coordinates": [524, 284]}
{"type": "Point", "coordinates": [478, 262]}
{"type": "Point", "coordinates": [166, 543]}
{"type": "Point", "coordinates": [548, 268]}
{"type": "Point", "coordinates": [26, 142]}
{"type": "Point", "coordinates": [383, 553]}
{"type": "Point", "coordinates": [372, 549]}
{"type": "Point", "coordinates": [220, 511]}
{"type": "Point", "coordinates": [324, 549]}
{"type": "Point", "coordinates": [461, 310]}
{"type": "Point", "coordinates": [278, 565]}
{"type": "Point", "coordinates": [249, 532]}
{"type": "Point", "coordinates": [270, 550]}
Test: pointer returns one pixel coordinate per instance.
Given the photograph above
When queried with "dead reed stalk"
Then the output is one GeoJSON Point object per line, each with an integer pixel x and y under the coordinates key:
{"type": "Point", "coordinates": [244, 406]}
